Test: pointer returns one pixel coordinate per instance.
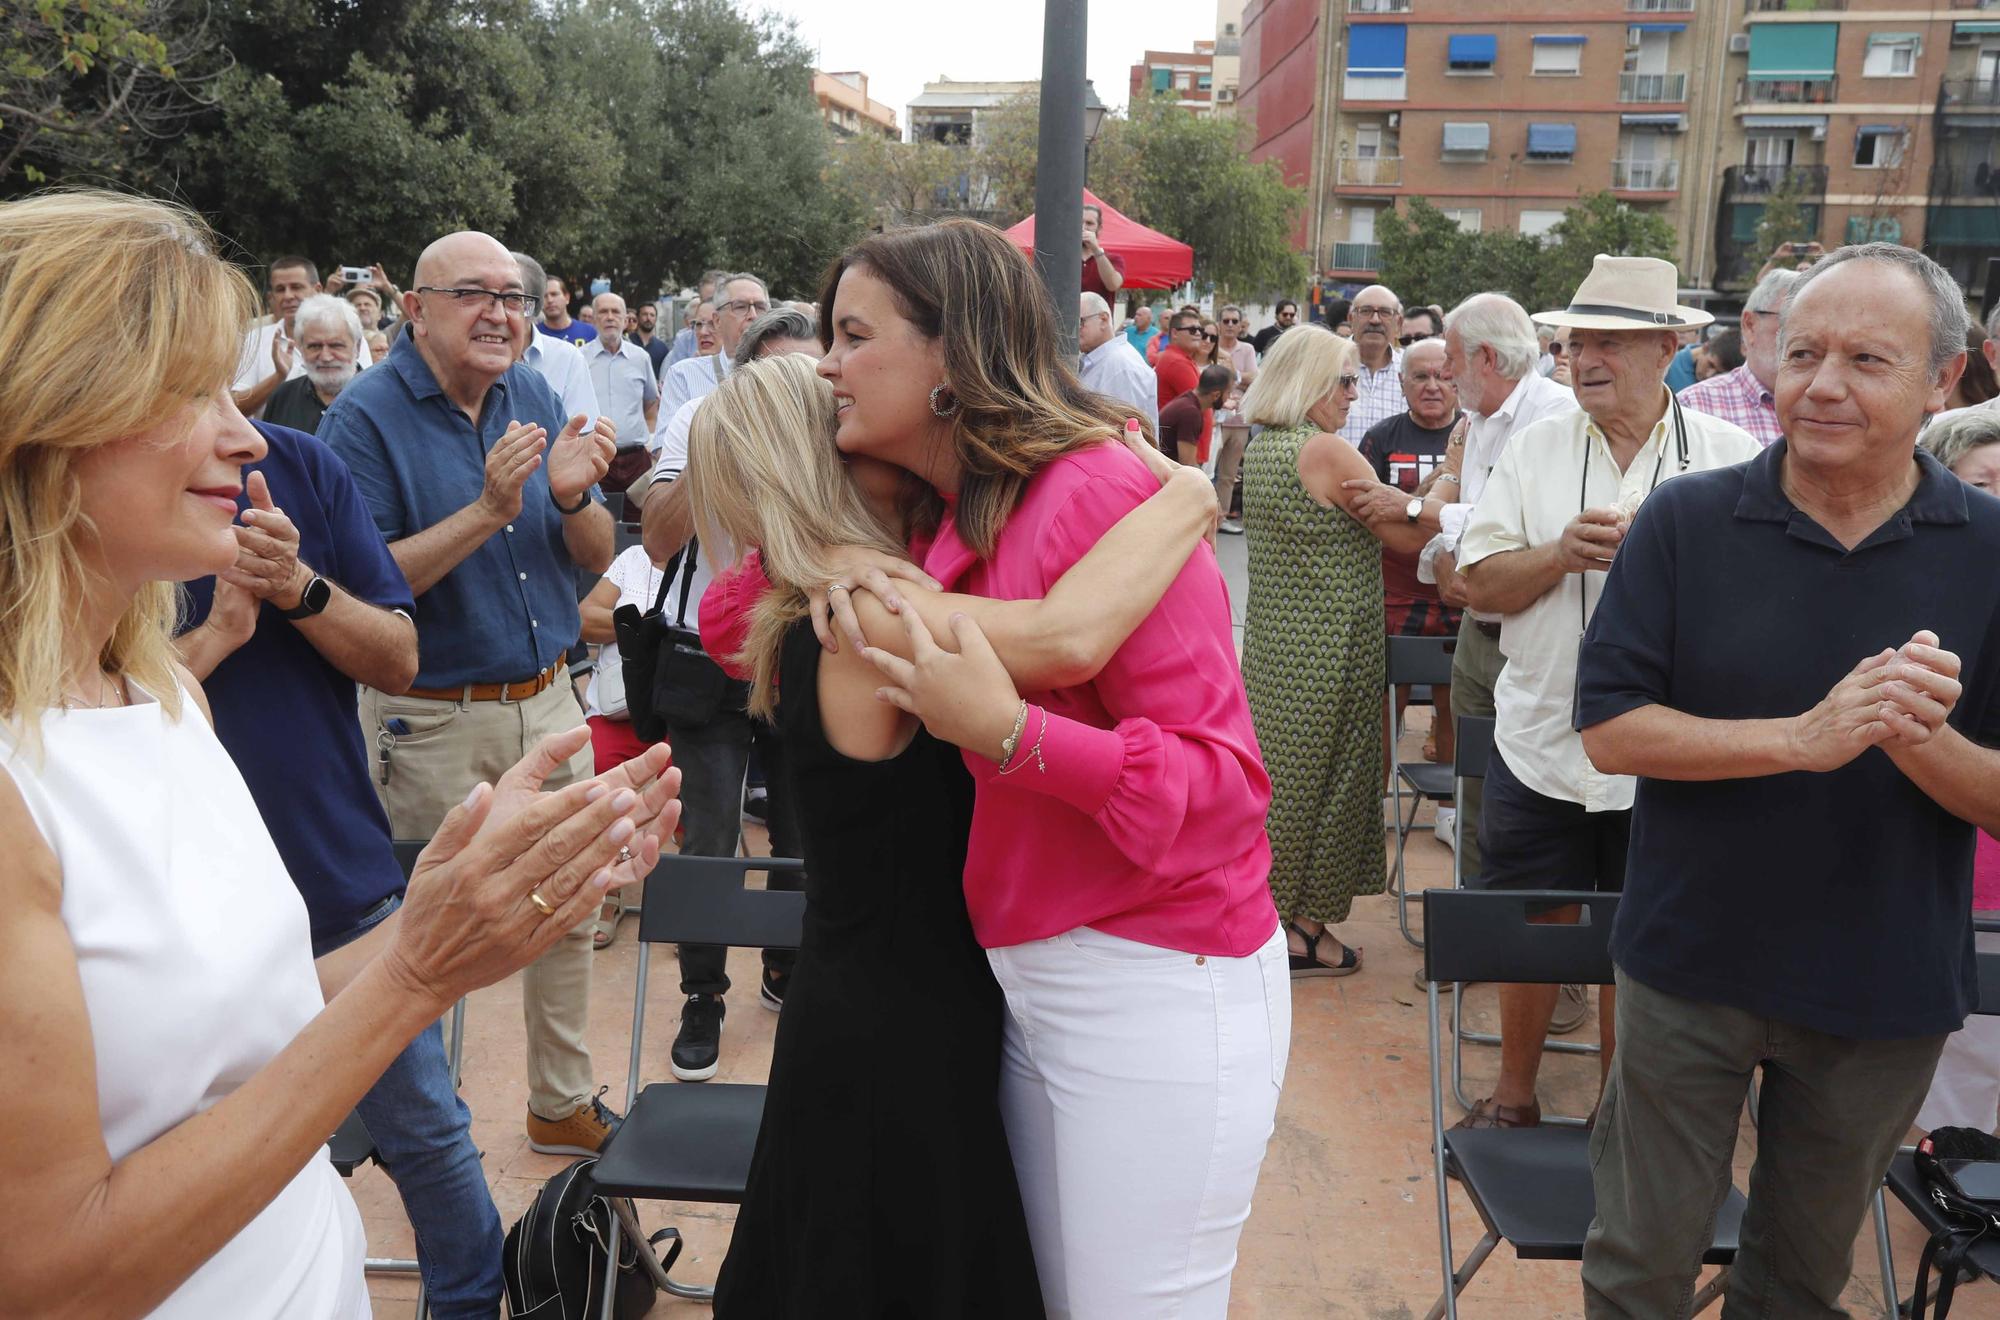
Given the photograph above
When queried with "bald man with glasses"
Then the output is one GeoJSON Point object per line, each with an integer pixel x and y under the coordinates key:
{"type": "Point", "coordinates": [1376, 316]}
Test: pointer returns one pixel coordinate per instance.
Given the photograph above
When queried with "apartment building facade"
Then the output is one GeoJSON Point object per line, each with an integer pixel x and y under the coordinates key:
{"type": "Point", "coordinates": [848, 109]}
{"type": "Point", "coordinates": [1185, 77]}
{"type": "Point", "coordinates": [1882, 122]}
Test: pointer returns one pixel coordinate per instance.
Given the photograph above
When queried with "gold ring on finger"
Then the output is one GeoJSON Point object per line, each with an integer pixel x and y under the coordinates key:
{"type": "Point", "coordinates": [535, 897]}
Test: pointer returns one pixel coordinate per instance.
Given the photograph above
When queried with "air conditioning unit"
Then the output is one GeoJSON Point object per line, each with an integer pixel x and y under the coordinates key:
{"type": "Point", "coordinates": [1739, 43]}
{"type": "Point", "coordinates": [1678, 126]}
{"type": "Point", "coordinates": [1395, 119]}
{"type": "Point", "coordinates": [1633, 38]}
{"type": "Point", "coordinates": [1819, 133]}
{"type": "Point", "coordinates": [1964, 38]}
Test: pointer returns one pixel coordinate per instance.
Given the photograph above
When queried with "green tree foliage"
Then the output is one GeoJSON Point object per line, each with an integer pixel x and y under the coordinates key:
{"type": "Point", "coordinates": [1787, 218]}
{"type": "Point", "coordinates": [1187, 177]}
{"type": "Point", "coordinates": [88, 88]}
{"type": "Point", "coordinates": [1426, 257]}
{"type": "Point", "coordinates": [897, 183]}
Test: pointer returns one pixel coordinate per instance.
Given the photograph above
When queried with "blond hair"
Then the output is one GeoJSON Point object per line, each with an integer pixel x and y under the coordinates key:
{"type": "Point", "coordinates": [763, 471]}
{"type": "Point", "coordinates": [1020, 405]}
{"type": "Point", "coordinates": [1301, 369]}
{"type": "Point", "coordinates": [69, 384]}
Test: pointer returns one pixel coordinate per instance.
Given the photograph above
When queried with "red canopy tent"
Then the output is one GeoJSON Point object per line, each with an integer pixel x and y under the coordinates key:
{"type": "Point", "coordinates": [1152, 260]}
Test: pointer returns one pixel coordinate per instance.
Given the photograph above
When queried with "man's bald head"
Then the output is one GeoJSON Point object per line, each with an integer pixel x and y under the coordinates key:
{"type": "Point", "coordinates": [443, 256]}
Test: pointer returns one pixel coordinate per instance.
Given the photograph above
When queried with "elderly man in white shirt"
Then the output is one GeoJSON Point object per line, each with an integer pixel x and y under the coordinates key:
{"type": "Point", "coordinates": [1111, 366]}
{"type": "Point", "coordinates": [739, 300]}
{"type": "Point", "coordinates": [559, 361]}
{"type": "Point", "coordinates": [1376, 316]}
{"type": "Point", "coordinates": [1546, 529]}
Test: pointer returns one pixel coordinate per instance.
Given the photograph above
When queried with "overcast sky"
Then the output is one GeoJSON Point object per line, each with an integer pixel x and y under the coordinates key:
{"type": "Point", "coordinates": [902, 44]}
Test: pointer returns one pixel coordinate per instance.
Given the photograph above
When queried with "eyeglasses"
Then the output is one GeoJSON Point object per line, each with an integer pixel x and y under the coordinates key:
{"type": "Point", "coordinates": [1350, 382]}
{"type": "Point", "coordinates": [1205, 334]}
{"type": "Point", "coordinates": [1190, 329]}
{"type": "Point", "coordinates": [704, 323]}
{"type": "Point", "coordinates": [517, 304]}
{"type": "Point", "coordinates": [1404, 341]}
{"type": "Point", "coordinates": [1372, 313]}
{"type": "Point", "coordinates": [1232, 320]}
{"type": "Point", "coordinates": [745, 304]}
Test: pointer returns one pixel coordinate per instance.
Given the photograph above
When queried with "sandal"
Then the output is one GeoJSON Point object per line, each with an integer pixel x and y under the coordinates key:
{"type": "Point", "coordinates": [608, 918]}
{"type": "Point", "coordinates": [1309, 964]}
{"type": "Point", "coordinates": [1485, 1115]}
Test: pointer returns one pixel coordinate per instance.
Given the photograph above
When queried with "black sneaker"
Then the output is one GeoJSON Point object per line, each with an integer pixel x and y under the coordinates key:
{"type": "Point", "coordinates": [698, 1048]}
{"type": "Point", "coordinates": [757, 805]}
{"type": "Point", "coordinates": [772, 993]}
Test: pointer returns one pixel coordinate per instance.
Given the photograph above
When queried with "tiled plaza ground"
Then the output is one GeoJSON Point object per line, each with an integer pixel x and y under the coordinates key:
{"type": "Point", "coordinates": [1344, 1223]}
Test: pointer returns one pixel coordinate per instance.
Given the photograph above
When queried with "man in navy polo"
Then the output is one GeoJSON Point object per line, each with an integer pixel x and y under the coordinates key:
{"type": "Point", "coordinates": [315, 605]}
{"type": "Point", "coordinates": [489, 504]}
{"type": "Point", "coordinates": [1799, 656]}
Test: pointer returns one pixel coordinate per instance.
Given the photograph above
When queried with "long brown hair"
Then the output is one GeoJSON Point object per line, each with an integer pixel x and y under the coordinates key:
{"type": "Point", "coordinates": [1021, 406]}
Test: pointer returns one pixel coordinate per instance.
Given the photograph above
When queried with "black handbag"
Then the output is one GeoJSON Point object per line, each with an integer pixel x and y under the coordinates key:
{"type": "Point", "coordinates": [1941, 1159]}
{"type": "Point", "coordinates": [670, 681]}
{"type": "Point", "coordinates": [553, 1260]}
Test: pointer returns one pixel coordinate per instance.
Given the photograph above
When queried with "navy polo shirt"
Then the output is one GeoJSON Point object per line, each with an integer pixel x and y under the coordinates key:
{"type": "Point", "coordinates": [287, 715]}
{"type": "Point", "coordinates": [508, 610]}
{"type": "Point", "coordinates": [1842, 901]}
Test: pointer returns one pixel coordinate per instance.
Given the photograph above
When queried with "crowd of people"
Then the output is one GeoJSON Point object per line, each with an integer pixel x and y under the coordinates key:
{"type": "Point", "coordinates": [960, 591]}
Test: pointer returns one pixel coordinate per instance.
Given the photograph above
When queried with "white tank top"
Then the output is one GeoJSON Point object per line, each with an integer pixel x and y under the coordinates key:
{"type": "Point", "coordinates": [196, 962]}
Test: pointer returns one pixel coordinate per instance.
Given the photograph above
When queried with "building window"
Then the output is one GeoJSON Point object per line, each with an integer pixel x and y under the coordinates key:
{"type": "Point", "coordinates": [1891, 55]}
{"type": "Point", "coordinates": [1551, 144]}
{"type": "Point", "coordinates": [1560, 56]}
{"type": "Point", "coordinates": [1473, 53]}
{"type": "Point", "coordinates": [1375, 62]}
{"type": "Point", "coordinates": [1163, 79]}
{"type": "Point", "coordinates": [1538, 224]}
{"type": "Point", "coordinates": [1466, 218]}
{"type": "Point", "coordinates": [1463, 142]}
{"type": "Point", "coordinates": [1879, 146]}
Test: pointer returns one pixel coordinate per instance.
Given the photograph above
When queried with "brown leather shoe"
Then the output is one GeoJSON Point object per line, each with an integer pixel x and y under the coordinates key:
{"type": "Point", "coordinates": [1486, 1114]}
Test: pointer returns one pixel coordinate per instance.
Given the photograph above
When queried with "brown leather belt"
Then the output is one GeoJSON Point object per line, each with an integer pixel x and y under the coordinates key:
{"type": "Point", "coordinates": [1492, 630]}
{"type": "Point", "coordinates": [519, 689]}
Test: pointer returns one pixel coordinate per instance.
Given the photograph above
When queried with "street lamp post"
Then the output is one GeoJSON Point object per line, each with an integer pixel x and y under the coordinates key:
{"type": "Point", "coordinates": [1059, 161]}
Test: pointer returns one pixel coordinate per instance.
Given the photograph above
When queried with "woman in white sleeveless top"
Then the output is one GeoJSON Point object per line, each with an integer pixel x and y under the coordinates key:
{"type": "Point", "coordinates": [171, 1059]}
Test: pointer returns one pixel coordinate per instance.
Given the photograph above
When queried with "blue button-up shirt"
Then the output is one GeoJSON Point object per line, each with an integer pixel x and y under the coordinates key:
{"type": "Point", "coordinates": [508, 610]}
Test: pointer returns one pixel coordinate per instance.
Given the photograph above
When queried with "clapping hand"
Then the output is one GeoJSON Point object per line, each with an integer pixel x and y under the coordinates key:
{"type": "Point", "coordinates": [512, 460]}
{"type": "Point", "coordinates": [281, 353]}
{"type": "Point", "coordinates": [267, 550]}
{"type": "Point", "coordinates": [1896, 699]}
{"type": "Point", "coordinates": [579, 457]}
{"type": "Point", "coordinates": [513, 869]}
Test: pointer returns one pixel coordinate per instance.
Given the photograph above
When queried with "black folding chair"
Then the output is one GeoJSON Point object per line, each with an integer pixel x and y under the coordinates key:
{"type": "Point", "coordinates": [351, 1145]}
{"type": "Point", "coordinates": [1474, 752]}
{"type": "Point", "coordinates": [1902, 1177]}
{"type": "Point", "coordinates": [1530, 1186]}
{"type": "Point", "coordinates": [1416, 661]}
{"type": "Point", "coordinates": [682, 1141]}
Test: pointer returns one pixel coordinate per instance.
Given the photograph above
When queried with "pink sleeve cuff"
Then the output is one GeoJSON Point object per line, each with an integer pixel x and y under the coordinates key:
{"type": "Point", "coordinates": [1083, 762]}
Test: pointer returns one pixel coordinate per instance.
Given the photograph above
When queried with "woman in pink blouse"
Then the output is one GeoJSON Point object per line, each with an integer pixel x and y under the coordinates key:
{"type": "Point", "coordinates": [1116, 874]}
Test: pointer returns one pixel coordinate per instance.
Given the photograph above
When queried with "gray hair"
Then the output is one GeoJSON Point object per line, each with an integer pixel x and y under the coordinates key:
{"type": "Point", "coordinates": [728, 280]}
{"type": "Point", "coordinates": [1948, 319]}
{"type": "Point", "coordinates": [712, 278]}
{"type": "Point", "coordinates": [534, 280]}
{"type": "Point", "coordinates": [1772, 291]}
{"type": "Point", "coordinates": [1431, 341]}
{"type": "Point", "coordinates": [1953, 439]}
{"type": "Point", "coordinates": [1993, 322]}
{"type": "Point", "coordinates": [778, 323]}
{"type": "Point", "coordinates": [1093, 305]}
{"type": "Point", "coordinates": [1495, 321]}
{"type": "Point", "coordinates": [325, 309]}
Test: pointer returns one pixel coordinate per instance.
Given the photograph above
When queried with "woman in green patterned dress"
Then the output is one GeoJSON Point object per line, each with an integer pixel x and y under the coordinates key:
{"type": "Point", "coordinates": [1312, 643]}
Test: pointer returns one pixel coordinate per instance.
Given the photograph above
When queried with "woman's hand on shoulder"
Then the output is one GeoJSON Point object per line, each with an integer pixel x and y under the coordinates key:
{"type": "Point", "coordinates": [966, 699]}
{"type": "Point", "coordinates": [859, 568]}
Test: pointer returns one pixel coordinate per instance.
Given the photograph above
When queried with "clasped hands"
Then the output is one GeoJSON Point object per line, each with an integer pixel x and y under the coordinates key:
{"type": "Point", "coordinates": [1896, 699]}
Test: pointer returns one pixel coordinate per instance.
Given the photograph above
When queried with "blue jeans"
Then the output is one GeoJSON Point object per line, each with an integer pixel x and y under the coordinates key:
{"type": "Point", "coordinates": [423, 1137]}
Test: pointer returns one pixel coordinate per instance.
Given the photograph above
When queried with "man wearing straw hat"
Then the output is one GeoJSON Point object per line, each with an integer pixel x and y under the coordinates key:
{"type": "Point", "coordinates": [1547, 526]}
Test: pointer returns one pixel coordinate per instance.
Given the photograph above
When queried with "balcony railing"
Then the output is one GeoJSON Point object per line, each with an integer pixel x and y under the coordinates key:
{"type": "Point", "coordinates": [1969, 92]}
{"type": "Point", "coordinates": [1378, 6]}
{"type": "Point", "coordinates": [1965, 178]}
{"type": "Point", "coordinates": [1660, 6]}
{"type": "Point", "coordinates": [1371, 171]}
{"type": "Point", "coordinates": [1760, 180]}
{"type": "Point", "coordinates": [1790, 6]}
{"type": "Point", "coordinates": [1785, 91]}
{"type": "Point", "coordinates": [1652, 87]}
{"type": "Point", "coordinates": [1646, 175]}
{"type": "Point", "coordinates": [1357, 256]}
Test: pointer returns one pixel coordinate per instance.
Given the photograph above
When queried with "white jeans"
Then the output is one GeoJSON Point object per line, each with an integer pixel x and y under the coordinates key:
{"type": "Point", "coordinates": [1965, 1092]}
{"type": "Point", "coordinates": [1139, 1087]}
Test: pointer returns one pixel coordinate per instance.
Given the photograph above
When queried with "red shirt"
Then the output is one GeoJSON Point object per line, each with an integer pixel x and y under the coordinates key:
{"type": "Point", "coordinates": [1093, 282]}
{"type": "Point", "coordinates": [1176, 374]}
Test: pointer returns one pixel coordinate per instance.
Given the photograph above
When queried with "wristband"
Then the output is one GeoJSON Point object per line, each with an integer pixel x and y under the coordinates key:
{"type": "Point", "coordinates": [582, 502]}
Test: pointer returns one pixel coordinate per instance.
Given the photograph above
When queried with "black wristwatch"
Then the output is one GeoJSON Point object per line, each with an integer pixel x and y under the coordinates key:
{"type": "Point", "coordinates": [582, 503]}
{"type": "Point", "coordinates": [315, 598]}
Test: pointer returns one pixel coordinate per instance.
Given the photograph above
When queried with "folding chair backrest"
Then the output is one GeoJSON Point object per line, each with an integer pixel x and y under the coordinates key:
{"type": "Point", "coordinates": [1485, 935]}
{"type": "Point", "coordinates": [1420, 660]}
{"type": "Point", "coordinates": [702, 900]}
{"type": "Point", "coordinates": [1474, 746]}
{"type": "Point", "coordinates": [1989, 970]}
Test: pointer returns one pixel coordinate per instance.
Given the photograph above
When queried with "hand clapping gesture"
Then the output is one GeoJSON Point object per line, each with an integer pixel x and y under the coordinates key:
{"type": "Point", "coordinates": [579, 457]}
{"type": "Point", "coordinates": [267, 550]}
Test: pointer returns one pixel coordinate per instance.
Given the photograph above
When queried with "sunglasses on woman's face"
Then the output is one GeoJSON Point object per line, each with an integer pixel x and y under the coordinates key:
{"type": "Point", "coordinates": [1204, 334]}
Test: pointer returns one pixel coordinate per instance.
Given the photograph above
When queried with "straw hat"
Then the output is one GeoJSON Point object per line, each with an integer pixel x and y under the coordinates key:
{"type": "Point", "coordinates": [1627, 293]}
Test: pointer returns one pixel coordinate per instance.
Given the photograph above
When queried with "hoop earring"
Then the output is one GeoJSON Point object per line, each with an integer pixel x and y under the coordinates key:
{"type": "Point", "coordinates": [951, 411]}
